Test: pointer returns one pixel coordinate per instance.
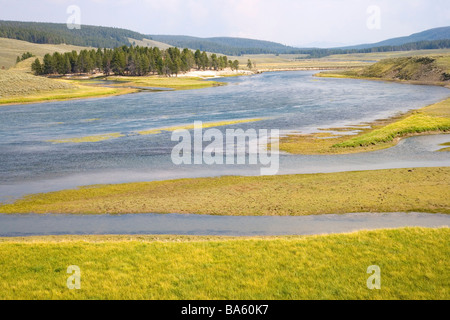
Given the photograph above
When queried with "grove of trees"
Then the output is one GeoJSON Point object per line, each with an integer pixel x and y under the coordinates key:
{"type": "Point", "coordinates": [132, 61]}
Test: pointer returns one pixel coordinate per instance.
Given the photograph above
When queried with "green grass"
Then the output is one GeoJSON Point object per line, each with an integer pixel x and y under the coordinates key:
{"type": "Point", "coordinates": [176, 83]}
{"type": "Point", "coordinates": [379, 134]}
{"type": "Point", "coordinates": [414, 264]}
{"type": "Point", "coordinates": [421, 189]}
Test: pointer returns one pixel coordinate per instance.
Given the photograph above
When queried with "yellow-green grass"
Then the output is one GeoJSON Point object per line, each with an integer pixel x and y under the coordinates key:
{"type": "Point", "coordinates": [379, 134]}
{"type": "Point", "coordinates": [18, 84]}
{"type": "Point", "coordinates": [292, 61]}
{"type": "Point", "coordinates": [376, 56]}
{"type": "Point", "coordinates": [94, 138]}
{"type": "Point", "coordinates": [204, 125]}
{"type": "Point", "coordinates": [149, 43]}
{"type": "Point", "coordinates": [176, 83]}
{"type": "Point", "coordinates": [446, 149]}
{"type": "Point", "coordinates": [418, 69]}
{"type": "Point", "coordinates": [414, 264]}
{"type": "Point", "coordinates": [394, 190]}
{"type": "Point", "coordinates": [19, 87]}
{"type": "Point", "coordinates": [11, 48]}
{"type": "Point", "coordinates": [79, 92]}
{"type": "Point", "coordinates": [108, 136]}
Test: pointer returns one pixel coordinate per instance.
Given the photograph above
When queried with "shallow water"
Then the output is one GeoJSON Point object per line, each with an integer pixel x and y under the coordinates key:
{"type": "Point", "coordinates": [287, 100]}
{"type": "Point", "coordinates": [33, 225]}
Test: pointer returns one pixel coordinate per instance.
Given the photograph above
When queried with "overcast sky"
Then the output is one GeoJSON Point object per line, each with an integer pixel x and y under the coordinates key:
{"type": "Point", "coordinates": [291, 22]}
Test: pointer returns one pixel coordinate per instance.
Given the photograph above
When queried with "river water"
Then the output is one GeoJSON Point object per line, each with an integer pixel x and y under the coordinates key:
{"type": "Point", "coordinates": [286, 100]}
{"type": "Point", "coordinates": [34, 224]}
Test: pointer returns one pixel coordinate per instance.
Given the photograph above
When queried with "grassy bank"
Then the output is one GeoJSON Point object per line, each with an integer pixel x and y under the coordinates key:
{"type": "Point", "coordinates": [413, 264]}
{"type": "Point", "coordinates": [421, 189]}
{"type": "Point", "coordinates": [433, 69]}
{"type": "Point", "coordinates": [373, 136]}
{"type": "Point", "coordinates": [21, 87]}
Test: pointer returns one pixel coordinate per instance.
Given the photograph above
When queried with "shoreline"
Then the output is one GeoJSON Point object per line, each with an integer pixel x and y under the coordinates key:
{"type": "Point", "coordinates": [411, 82]}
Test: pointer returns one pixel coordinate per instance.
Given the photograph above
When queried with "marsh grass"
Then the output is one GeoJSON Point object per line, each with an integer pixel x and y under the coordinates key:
{"type": "Point", "coordinates": [204, 126]}
{"type": "Point", "coordinates": [447, 147]}
{"type": "Point", "coordinates": [395, 190]}
{"type": "Point", "coordinates": [378, 135]}
{"type": "Point", "coordinates": [413, 263]}
{"type": "Point", "coordinates": [176, 83]}
{"type": "Point", "coordinates": [94, 138]}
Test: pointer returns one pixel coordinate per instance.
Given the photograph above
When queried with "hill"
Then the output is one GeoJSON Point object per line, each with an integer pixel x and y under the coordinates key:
{"type": "Point", "coordinates": [225, 45]}
{"type": "Point", "coordinates": [423, 69]}
{"type": "Point", "coordinates": [442, 33]}
{"type": "Point", "coordinates": [58, 33]}
{"type": "Point", "coordinates": [10, 49]}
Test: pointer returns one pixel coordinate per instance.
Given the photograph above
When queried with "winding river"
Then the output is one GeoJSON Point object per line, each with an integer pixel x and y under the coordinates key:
{"type": "Point", "coordinates": [31, 161]}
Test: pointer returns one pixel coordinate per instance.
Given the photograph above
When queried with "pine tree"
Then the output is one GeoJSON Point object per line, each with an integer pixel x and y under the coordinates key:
{"type": "Point", "coordinates": [36, 67]}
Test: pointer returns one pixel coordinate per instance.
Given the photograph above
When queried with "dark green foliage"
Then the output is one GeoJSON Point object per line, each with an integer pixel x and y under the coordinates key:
{"type": "Point", "coordinates": [133, 61]}
{"type": "Point", "coordinates": [57, 33]}
{"type": "Point", "coordinates": [445, 76]}
{"type": "Point", "coordinates": [239, 46]}
{"type": "Point", "coordinates": [24, 56]}
{"type": "Point", "coordinates": [36, 67]}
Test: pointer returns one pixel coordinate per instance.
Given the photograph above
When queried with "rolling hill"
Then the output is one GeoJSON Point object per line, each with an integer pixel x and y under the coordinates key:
{"type": "Point", "coordinates": [225, 45]}
{"type": "Point", "coordinates": [442, 33]}
{"type": "Point", "coordinates": [58, 33]}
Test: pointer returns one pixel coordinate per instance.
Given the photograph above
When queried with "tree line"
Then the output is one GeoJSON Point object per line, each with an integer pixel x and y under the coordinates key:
{"type": "Point", "coordinates": [57, 33]}
{"type": "Point", "coordinates": [132, 61]}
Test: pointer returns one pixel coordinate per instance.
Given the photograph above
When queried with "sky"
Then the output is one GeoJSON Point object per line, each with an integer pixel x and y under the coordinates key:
{"type": "Point", "coordinates": [290, 22]}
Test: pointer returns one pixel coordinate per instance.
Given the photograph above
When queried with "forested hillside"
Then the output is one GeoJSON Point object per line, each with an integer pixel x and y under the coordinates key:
{"type": "Point", "coordinates": [225, 45]}
{"type": "Point", "coordinates": [427, 35]}
{"type": "Point", "coordinates": [105, 37]}
{"type": "Point", "coordinates": [57, 33]}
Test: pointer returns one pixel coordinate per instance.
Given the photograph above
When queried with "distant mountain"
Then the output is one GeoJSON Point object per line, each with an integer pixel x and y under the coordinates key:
{"type": "Point", "coordinates": [442, 33]}
{"type": "Point", "coordinates": [225, 45]}
{"type": "Point", "coordinates": [107, 37]}
{"type": "Point", "coordinates": [57, 33]}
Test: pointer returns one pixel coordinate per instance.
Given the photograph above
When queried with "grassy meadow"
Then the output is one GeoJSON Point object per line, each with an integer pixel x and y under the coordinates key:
{"type": "Point", "coordinates": [20, 87]}
{"type": "Point", "coordinates": [271, 62]}
{"type": "Point", "coordinates": [395, 190]}
{"type": "Point", "coordinates": [413, 264]}
{"type": "Point", "coordinates": [11, 48]}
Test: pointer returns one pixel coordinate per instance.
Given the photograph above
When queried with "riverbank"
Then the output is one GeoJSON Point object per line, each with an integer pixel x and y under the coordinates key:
{"type": "Point", "coordinates": [413, 262]}
{"type": "Point", "coordinates": [380, 134]}
{"type": "Point", "coordinates": [22, 88]}
{"type": "Point", "coordinates": [18, 87]}
{"type": "Point", "coordinates": [395, 190]}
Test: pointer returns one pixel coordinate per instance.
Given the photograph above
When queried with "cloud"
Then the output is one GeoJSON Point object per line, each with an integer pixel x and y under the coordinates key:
{"type": "Point", "coordinates": [293, 22]}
